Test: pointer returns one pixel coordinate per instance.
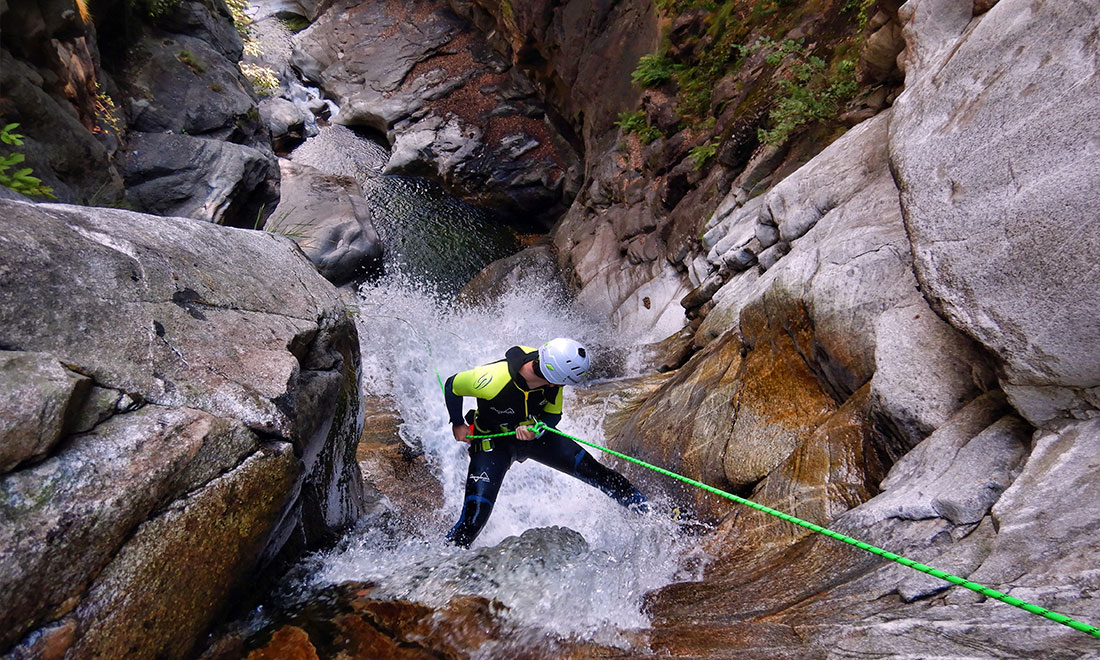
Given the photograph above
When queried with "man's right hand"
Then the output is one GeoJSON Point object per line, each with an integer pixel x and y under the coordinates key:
{"type": "Point", "coordinates": [461, 431]}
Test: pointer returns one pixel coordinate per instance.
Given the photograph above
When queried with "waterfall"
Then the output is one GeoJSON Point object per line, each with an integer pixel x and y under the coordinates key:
{"type": "Point", "coordinates": [408, 332]}
{"type": "Point", "coordinates": [587, 584]}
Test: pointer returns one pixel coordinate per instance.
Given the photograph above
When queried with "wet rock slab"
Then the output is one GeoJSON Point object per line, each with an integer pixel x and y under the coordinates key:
{"type": "Point", "coordinates": [194, 422]}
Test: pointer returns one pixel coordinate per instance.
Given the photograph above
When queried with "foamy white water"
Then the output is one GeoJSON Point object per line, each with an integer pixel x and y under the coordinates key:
{"type": "Point", "coordinates": [408, 333]}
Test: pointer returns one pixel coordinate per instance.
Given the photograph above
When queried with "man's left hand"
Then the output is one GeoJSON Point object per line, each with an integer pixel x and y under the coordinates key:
{"type": "Point", "coordinates": [525, 433]}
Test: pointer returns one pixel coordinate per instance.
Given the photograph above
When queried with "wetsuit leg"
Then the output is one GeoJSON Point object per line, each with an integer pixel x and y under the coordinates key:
{"type": "Point", "coordinates": [483, 479]}
{"type": "Point", "coordinates": [569, 457]}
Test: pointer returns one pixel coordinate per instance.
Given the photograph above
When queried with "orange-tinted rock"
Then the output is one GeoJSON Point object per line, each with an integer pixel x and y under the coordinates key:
{"type": "Point", "coordinates": [779, 402]}
{"type": "Point", "coordinates": [288, 643]}
{"type": "Point", "coordinates": [393, 468]}
{"type": "Point", "coordinates": [836, 469]}
{"type": "Point", "coordinates": [349, 622]}
{"type": "Point", "coordinates": [684, 425]}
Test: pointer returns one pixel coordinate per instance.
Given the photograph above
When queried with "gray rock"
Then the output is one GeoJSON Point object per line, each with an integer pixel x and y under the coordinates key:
{"type": "Point", "coordinates": [533, 267]}
{"type": "Point", "coordinates": [328, 217]}
{"type": "Point", "coordinates": [516, 560]}
{"type": "Point", "coordinates": [180, 320]}
{"type": "Point", "coordinates": [209, 22]}
{"type": "Point", "coordinates": [68, 516]}
{"type": "Point", "coordinates": [924, 370]}
{"type": "Point", "coordinates": [147, 597]}
{"type": "Point", "coordinates": [181, 84]}
{"type": "Point", "coordinates": [982, 470]}
{"type": "Point", "coordinates": [989, 214]}
{"type": "Point", "coordinates": [767, 235]}
{"type": "Point", "coordinates": [41, 398]}
{"type": "Point", "coordinates": [286, 120]}
{"type": "Point", "coordinates": [199, 178]}
{"type": "Point", "coordinates": [771, 256]}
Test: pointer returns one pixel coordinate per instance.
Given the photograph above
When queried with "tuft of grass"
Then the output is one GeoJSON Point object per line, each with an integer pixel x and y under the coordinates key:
{"type": "Point", "coordinates": [191, 62]}
{"type": "Point", "coordinates": [702, 154]}
{"type": "Point", "coordinates": [281, 226]}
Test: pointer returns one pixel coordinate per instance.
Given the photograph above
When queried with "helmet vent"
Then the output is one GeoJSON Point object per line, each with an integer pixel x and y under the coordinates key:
{"type": "Point", "coordinates": [580, 352]}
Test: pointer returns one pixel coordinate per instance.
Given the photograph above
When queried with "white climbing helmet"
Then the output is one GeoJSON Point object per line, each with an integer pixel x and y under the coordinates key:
{"type": "Point", "coordinates": [563, 361]}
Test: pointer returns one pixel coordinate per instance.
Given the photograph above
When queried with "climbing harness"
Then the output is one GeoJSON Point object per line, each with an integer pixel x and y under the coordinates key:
{"type": "Point", "coordinates": [953, 579]}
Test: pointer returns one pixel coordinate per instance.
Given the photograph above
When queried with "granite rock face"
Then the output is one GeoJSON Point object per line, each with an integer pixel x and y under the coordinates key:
{"type": "Point", "coordinates": [999, 188]}
{"type": "Point", "coordinates": [201, 385]}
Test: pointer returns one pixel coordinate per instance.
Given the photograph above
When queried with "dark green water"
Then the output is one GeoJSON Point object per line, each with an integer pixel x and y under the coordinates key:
{"type": "Point", "coordinates": [427, 233]}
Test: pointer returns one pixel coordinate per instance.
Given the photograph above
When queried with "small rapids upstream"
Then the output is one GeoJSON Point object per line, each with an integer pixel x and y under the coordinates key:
{"type": "Point", "coordinates": [585, 584]}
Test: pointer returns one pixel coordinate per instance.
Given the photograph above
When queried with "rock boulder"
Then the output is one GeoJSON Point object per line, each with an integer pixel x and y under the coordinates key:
{"type": "Point", "coordinates": [201, 385]}
{"type": "Point", "coordinates": [452, 109]}
{"type": "Point", "coordinates": [328, 217]}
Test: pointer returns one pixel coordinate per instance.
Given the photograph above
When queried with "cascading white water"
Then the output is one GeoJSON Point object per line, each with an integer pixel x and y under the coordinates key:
{"type": "Point", "coordinates": [408, 332]}
{"type": "Point", "coordinates": [551, 582]}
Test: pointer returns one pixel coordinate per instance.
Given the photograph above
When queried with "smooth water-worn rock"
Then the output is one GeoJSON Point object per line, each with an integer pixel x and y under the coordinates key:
{"type": "Point", "coordinates": [199, 178]}
{"type": "Point", "coordinates": [999, 189]}
{"type": "Point", "coordinates": [452, 109]}
{"type": "Point", "coordinates": [394, 468]}
{"type": "Point", "coordinates": [167, 73]}
{"type": "Point", "coordinates": [327, 216]}
{"type": "Point", "coordinates": [219, 431]}
{"type": "Point", "coordinates": [534, 267]}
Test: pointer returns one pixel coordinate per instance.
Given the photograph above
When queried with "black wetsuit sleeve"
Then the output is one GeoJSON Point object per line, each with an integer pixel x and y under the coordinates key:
{"type": "Point", "coordinates": [550, 419]}
{"type": "Point", "coordinates": [454, 403]}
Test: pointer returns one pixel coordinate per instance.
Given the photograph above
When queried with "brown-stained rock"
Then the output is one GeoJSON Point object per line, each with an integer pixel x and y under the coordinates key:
{"type": "Point", "coordinates": [779, 401]}
{"type": "Point", "coordinates": [392, 468]}
{"type": "Point", "coordinates": [160, 590]}
{"type": "Point", "coordinates": [837, 468]}
{"type": "Point", "coordinates": [349, 621]}
{"type": "Point", "coordinates": [288, 643]}
{"type": "Point", "coordinates": [684, 426]}
{"type": "Point", "coordinates": [618, 400]}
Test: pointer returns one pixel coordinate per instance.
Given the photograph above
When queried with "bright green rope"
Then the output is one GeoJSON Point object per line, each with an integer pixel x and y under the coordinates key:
{"type": "Point", "coordinates": [953, 579]}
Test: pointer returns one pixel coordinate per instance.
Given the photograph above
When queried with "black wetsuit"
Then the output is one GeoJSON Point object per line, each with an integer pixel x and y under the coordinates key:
{"type": "Point", "coordinates": [505, 402]}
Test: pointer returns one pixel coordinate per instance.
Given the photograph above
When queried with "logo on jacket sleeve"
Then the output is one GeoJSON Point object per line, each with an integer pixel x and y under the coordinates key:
{"type": "Point", "coordinates": [483, 382]}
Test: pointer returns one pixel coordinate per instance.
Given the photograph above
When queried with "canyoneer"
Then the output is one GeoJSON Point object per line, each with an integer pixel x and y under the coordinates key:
{"type": "Point", "coordinates": [513, 395]}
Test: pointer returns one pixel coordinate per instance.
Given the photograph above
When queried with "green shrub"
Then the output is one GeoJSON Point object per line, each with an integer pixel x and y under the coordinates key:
{"type": "Point", "coordinates": [814, 93]}
{"type": "Point", "coordinates": [636, 123]}
{"type": "Point", "coordinates": [653, 70]}
{"type": "Point", "coordinates": [702, 153]}
{"type": "Point", "coordinates": [21, 180]}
